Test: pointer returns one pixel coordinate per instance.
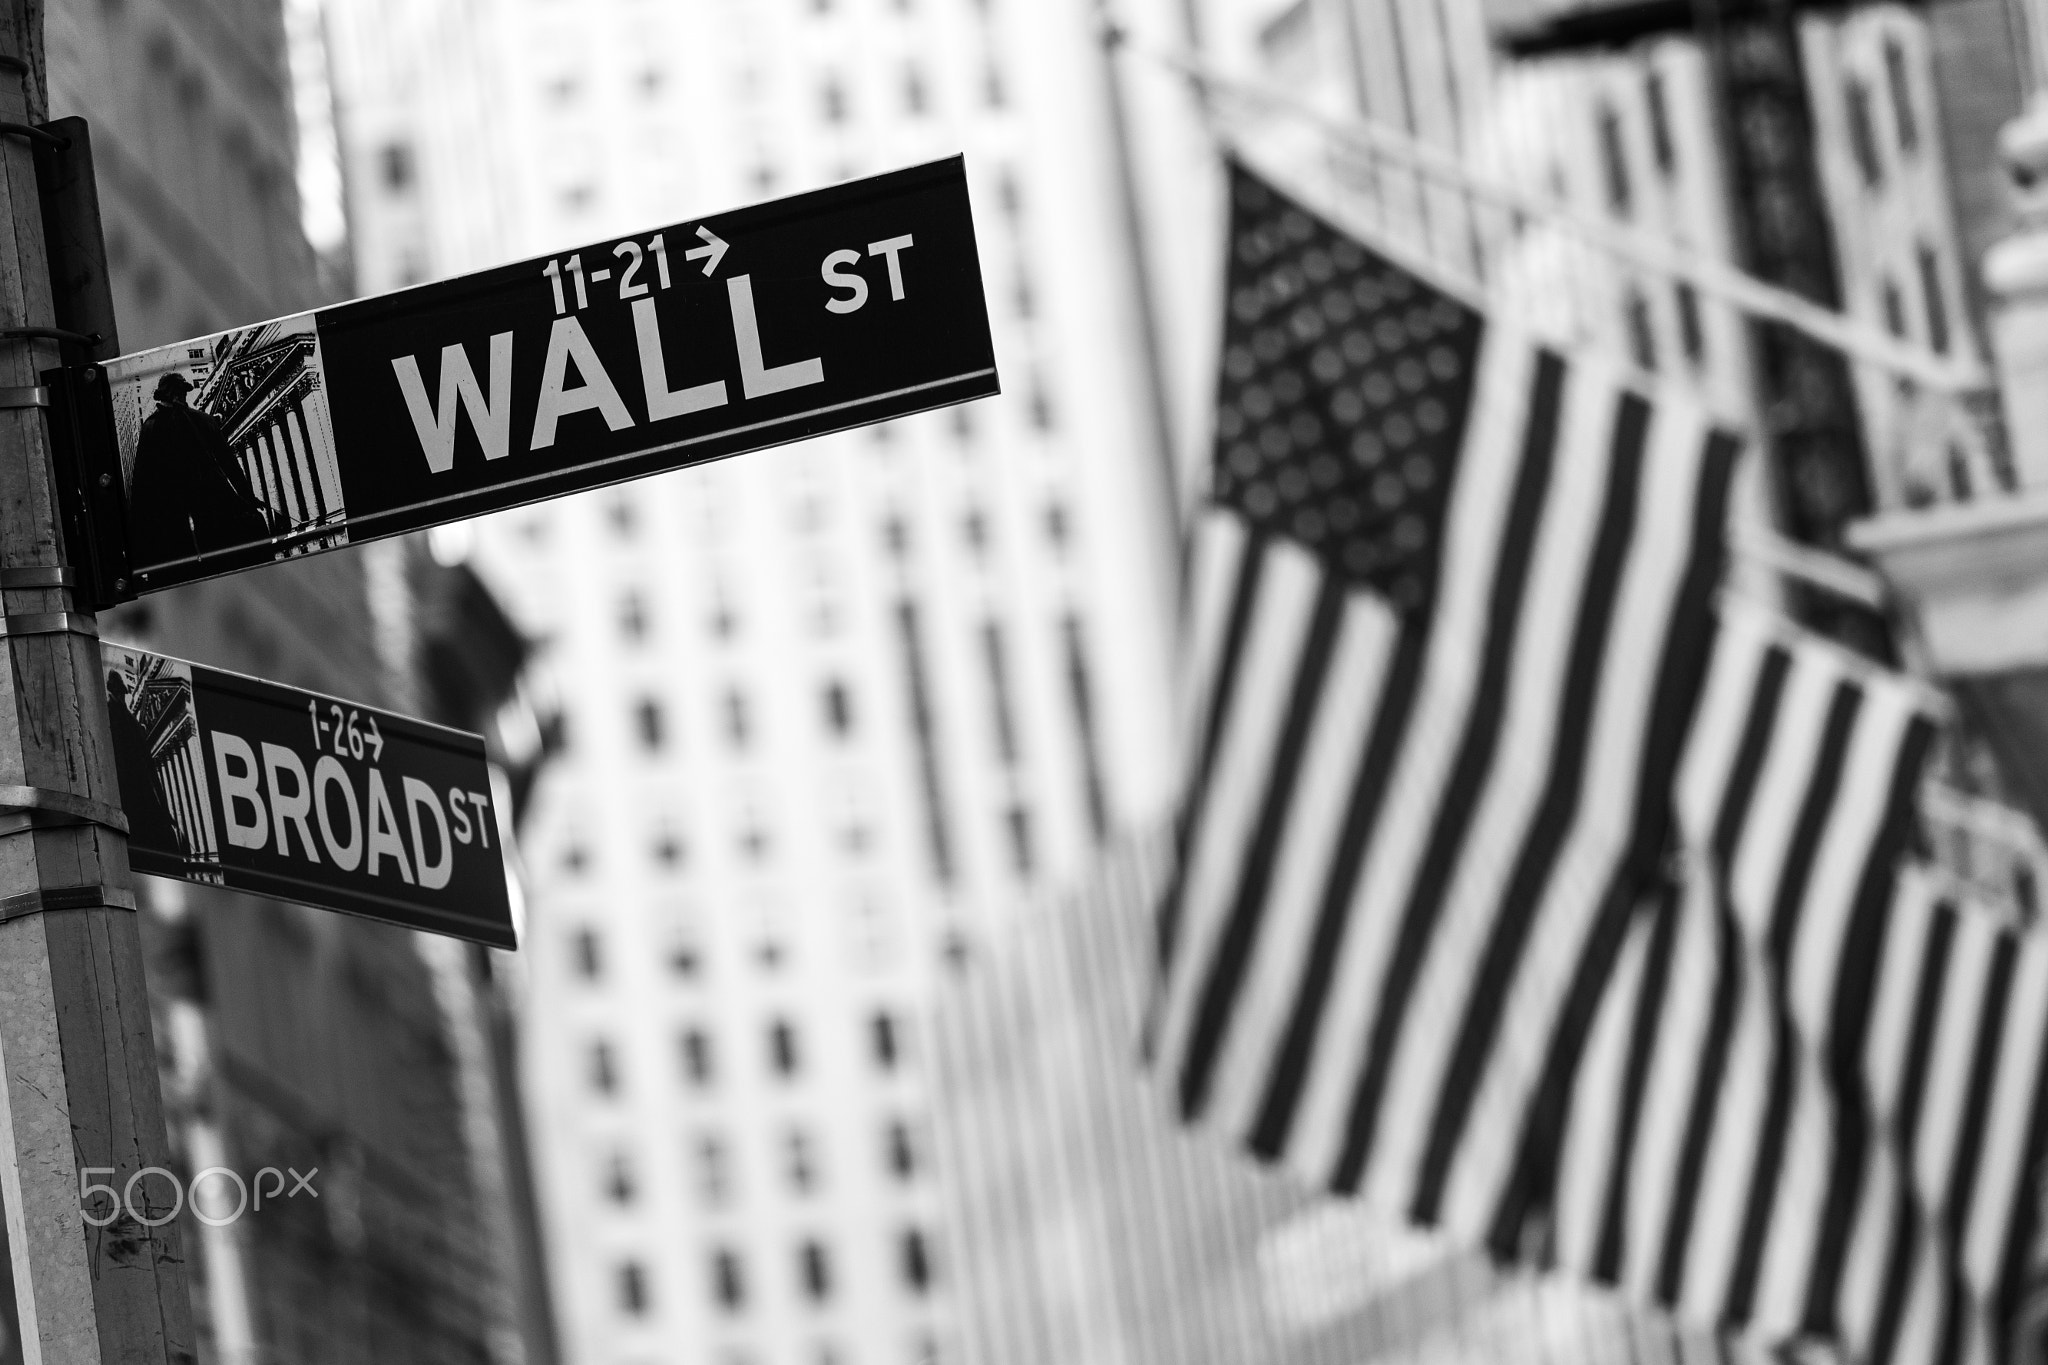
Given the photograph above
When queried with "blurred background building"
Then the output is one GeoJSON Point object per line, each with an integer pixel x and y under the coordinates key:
{"type": "Point", "coordinates": [294, 1038]}
{"type": "Point", "coordinates": [830, 712]}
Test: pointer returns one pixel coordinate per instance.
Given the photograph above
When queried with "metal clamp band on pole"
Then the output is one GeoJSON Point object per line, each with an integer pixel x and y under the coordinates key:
{"type": "Point", "coordinates": [31, 396]}
{"type": "Point", "coordinates": [38, 575]}
{"type": "Point", "coordinates": [48, 808]}
{"type": "Point", "coordinates": [50, 623]}
{"type": "Point", "coordinates": [88, 897]}
{"type": "Point", "coordinates": [35, 134]}
{"type": "Point", "coordinates": [49, 333]}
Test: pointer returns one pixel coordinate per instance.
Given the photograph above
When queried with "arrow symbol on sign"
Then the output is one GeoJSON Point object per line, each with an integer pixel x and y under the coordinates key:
{"type": "Point", "coordinates": [713, 250]}
{"type": "Point", "coordinates": [375, 741]}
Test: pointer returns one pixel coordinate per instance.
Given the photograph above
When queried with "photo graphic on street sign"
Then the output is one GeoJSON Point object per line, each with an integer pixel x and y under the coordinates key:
{"type": "Point", "coordinates": [246, 784]}
{"type": "Point", "coordinates": [810, 314]}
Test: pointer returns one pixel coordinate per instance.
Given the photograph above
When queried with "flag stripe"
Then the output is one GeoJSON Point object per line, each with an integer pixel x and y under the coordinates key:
{"type": "Point", "coordinates": [1482, 730]}
{"type": "Point", "coordinates": [1282, 951]}
{"type": "Point", "coordinates": [1501, 956]}
{"type": "Point", "coordinates": [1280, 619]}
{"type": "Point", "coordinates": [1424, 695]}
{"type": "Point", "coordinates": [1681, 636]}
{"type": "Point", "coordinates": [1764, 1178]}
{"type": "Point", "coordinates": [1702, 1113]}
{"type": "Point", "coordinates": [1233, 951]}
{"type": "Point", "coordinates": [1822, 789]}
{"type": "Point", "coordinates": [1224, 675]}
{"type": "Point", "coordinates": [1984, 1058]}
{"type": "Point", "coordinates": [1269, 1133]}
{"type": "Point", "coordinates": [1649, 1018]}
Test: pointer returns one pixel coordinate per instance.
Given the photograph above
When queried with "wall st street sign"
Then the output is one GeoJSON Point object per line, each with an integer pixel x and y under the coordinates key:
{"type": "Point", "coordinates": [233, 782]}
{"type": "Point", "coordinates": [624, 358]}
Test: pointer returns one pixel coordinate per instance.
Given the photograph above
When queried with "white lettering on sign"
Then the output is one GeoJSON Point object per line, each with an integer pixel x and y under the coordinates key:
{"type": "Point", "coordinates": [834, 273]}
{"type": "Point", "coordinates": [890, 248]}
{"type": "Point", "coordinates": [661, 402]}
{"type": "Point", "coordinates": [419, 796]}
{"type": "Point", "coordinates": [435, 423]}
{"type": "Point", "coordinates": [757, 378]}
{"type": "Point", "coordinates": [347, 854]}
{"type": "Point", "coordinates": [239, 789]}
{"type": "Point", "coordinates": [277, 797]}
{"type": "Point", "coordinates": [384, 840]}
{"type": "Point", "coordinates": [557, 400]}
{"type": "Point", "coordinates": [289, 809]}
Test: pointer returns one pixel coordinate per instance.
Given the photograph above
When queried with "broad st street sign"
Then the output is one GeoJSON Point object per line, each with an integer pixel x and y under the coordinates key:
{"type": "Point", "coordinates": [245, 784]}
{"type": "Point", "coordinates": [624, 358]}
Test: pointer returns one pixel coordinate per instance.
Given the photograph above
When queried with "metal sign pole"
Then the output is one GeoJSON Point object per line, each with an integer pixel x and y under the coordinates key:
{"type": "Point", "coordinates": [79, 1097]}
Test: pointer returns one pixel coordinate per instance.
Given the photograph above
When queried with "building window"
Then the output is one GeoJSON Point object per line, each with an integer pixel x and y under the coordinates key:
{"type": "Point", "coordinates": [1660, 123]}
{"type": "Point", "coordinates": [698, 1063]}
{"type": "Point", "coordinates": [633, 618]}
{"type": "Point", "coordinates": [633, 1288]}
{"type": "Point", "coordinates": [1862, 132]}
{"type": "Point", "coordinates": [714, 1170]}
{"type": "Point", "coordinates": [914, 96]}
{"type": "Point", "coordinates": [1934, 298]}
{"type": "Point", "coordinates": [650, 82]}
{"type": "Point", "coordinates": [1056, 527]}
{"type": "Point", "coordinates": [738, 727]}
{"type": "Point", "coordinates": [1614, 159]}
{"type": "Point", "coordinates": [816, 1271]}
{"type": "Point", "coordinates": [619, 1184]}
{"type": "Point", "coordinates": [1022, 859]}
{"type": "Point", "coordinates": [896, 536]}
{"type": "Point", "coordinates": [1010, 194]}
{"type": "Point", "coordinates": [882, 1032]}
{"type": "Point", "coordinates": [647, 722]}
{"type": "Point", "coordinates": [1894, 308]}
{"type": "Point", "coordinates": [902, 1152]}
{"type": "Point", "coordinates": [802, 1161]}
{"type": "Point", "coordinates": [916, 1260]}
{"type": "Point", "coordinates": [589, 956]}
{"type": "Point", "coordinates": [604, 1072]}
{"type": "Point", "coordinates": [728, 1280]}
{"type": "Point", "coordinates": [1642, 332]}
{"type": "Point", "coordinates": [993, 93]}
{"type": "Point", "coordinates": [1081, 698]}
{"type": "Point", "coordinates": [668, 849]}
{"type": "Point", "coordinates": [395, 164]}
{"type": "Point", "coordinates": [1041, 407]}
{"type": "Point", "coordinates": [995, 662]}
{"type": "Point", "coordinates": [1690, 333]}
{"type": "Point", "coordinates": [782, 1049]}
{"type": "Point", "coordinates": [1902, 94]}
{"type": "Point", "coordinates": [833, 101]}
{"type": "Point", "coordinates": [838, 708]}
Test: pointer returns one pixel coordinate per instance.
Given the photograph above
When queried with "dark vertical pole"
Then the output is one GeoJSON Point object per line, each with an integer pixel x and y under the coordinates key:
{"type": "Point", "coordinates": [79, 1096]}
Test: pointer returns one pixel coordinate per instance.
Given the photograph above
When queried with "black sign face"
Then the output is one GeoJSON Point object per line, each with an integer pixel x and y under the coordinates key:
{"type": "Point", "coordinates": [245, 784]}
{"type": "Point", "coordinates": [769, 324]}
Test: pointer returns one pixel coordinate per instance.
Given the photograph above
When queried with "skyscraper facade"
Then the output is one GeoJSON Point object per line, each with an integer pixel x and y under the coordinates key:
{"type": "Point", "coordinates": [832, 712]}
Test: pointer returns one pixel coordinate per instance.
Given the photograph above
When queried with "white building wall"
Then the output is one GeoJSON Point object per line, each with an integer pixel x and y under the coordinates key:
{"type": "Point", "coordinates": [713, 886]}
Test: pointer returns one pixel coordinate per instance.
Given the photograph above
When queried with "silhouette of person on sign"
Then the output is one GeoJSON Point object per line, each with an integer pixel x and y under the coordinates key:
{"type": "Point", "coordinates": [189, 495]}
{"type": "Point", "coordinates": [149, 820]}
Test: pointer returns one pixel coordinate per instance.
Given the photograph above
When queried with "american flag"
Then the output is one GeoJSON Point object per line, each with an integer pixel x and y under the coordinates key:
{"type": "Point", "coordinates": [1816, 1094]}
{"type": "Point", "coordinates": [1454, 602]}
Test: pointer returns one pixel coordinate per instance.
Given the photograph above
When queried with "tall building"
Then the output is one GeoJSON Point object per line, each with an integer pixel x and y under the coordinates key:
{"type": "Point", "coordinates": [831, 712]}
{"type": "Point", "coordinates": [291, 1038]}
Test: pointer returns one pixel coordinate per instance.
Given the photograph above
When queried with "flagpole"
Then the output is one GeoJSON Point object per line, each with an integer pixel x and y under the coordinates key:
{"type": "Point", "coordinates": [1711, 276]}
